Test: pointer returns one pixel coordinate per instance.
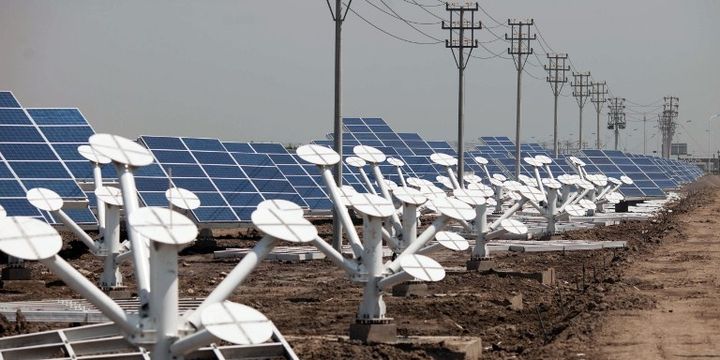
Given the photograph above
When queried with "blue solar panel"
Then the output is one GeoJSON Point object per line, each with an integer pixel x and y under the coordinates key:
{"type": "Point", "coordinates": [63, 130]}
{"type": "Point", "coordinates": [7, 100]}
{"type": "Point", "coordinates": [183, 170]}
{"type": "Point", "coordinates": [174, 157]}
{"type": "Point", "coordinates": [64, 188]}
{"type": "Point", "coordinates": [213, 157]}
{"type": "Point", "coordinates": [266, 177]}
{"type": "Point", "coordinates": [14, 117]}
{"type": "Point", "coordinates": [39, 170]}
{"type": "Point", "coordinates": [57, 117]}
{"type": "Point", "coordinates": [238, 147]}
{"type": "Point", "coordinates": [229, 184]}
{"type": "Point", "coordinates": [12, 194]}
{"type": "Point", "coordinates": [67, 134]}
{"type": "Point", "coordinates": [163, 142]}
{"type": "Point", "coordinates": [210, 214]}
{"type": "Point", "coordinates": [20, 207]}
{"type": "Point", "coordinates": [305, 182]}
{"type": "Point", "coordinates": [11, 188]}
{"type": "Point", "coordinates": [203, 144]}
{"type": "Point", "coordinates": [27, 152]}
{"type": "Point", "coordinates": [20, 134]}
{"type": "Point", "coordinates": [616, 164]}
{"type": "Point", "coordinates": [30, 151]}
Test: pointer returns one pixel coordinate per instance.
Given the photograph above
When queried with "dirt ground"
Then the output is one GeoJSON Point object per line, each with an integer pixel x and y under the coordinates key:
{"type": "Point", "coordinates": [652, 300]}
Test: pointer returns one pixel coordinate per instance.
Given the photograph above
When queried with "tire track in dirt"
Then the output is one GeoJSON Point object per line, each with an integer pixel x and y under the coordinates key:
{"type": "Point", "coordinates": [683, 277]}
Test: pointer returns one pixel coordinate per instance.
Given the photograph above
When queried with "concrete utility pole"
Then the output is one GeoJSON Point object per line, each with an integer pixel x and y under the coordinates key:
{"type": "Point", "coordinates": [458, 45]}
{"type": "Point", "coordinates": [709, 150]}
{"type": "Point", "coordinates": [667, 124]}
{"type": "Point", "coordinates": [598, 90]}
{"type": "Point", "coordinates": [616, 116]}
{"type": "Point", "coordinates": [338, 15]}
{"type": "Point", "coordinates": [556, 69]}
{"type": "Point", "coordinates": [581, 92]}
{"type": "Point", "coordinates": [644, 135]}
{"type": "Point", "coordinates": [519, 46]}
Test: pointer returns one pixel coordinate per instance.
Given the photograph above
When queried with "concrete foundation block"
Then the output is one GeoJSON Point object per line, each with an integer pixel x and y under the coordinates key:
{"type": "Point", "coordinates": [481, 265]}
{"type": "Point", "coordinates": [515, 302]}
{"type": "Point", "coordinates": [118, 293]}
{"type": "Point", "coordinates": [410, 289]}
{"type": "Point", "coordinates": [16, 273]}
{"type": "Point", "coordinates": [546, 277]}
{"type": "Point", "coordinates": [367, 332]}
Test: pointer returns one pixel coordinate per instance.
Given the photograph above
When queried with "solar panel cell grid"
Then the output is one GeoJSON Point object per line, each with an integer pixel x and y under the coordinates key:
{"type": "Point", "coordinates": [7, 100]}
{"type": "Point", "coordinates": [14, 117]}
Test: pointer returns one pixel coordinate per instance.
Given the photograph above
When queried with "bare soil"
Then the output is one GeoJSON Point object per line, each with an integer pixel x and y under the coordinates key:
{"type": "Point", "coordinates": [602, 302]}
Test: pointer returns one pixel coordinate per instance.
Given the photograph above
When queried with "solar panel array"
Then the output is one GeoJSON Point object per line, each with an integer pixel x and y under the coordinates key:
{"type": "Point", "coordinates": [410, 147]}
{"type": "Point", "coordinates": [500, 151]}
{"type": "Point", "coordinates": [616, 164]}
{"type": "Point", "coordinates": [304, 177]}
{"type": "Point", "coordinates": [38, 148]}
{"type": "Point", "coordinates": [32, 146]}
{"type": "Point", "coordinates": [230, 178]}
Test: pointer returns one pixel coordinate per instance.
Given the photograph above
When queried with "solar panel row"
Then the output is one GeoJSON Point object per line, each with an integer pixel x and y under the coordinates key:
{"type": "Point", "coordinates": [31, 144]}
{"type": "Point", "coordinates": [230, 178]}
{"type": "Point", "coordinates": [38, 148]}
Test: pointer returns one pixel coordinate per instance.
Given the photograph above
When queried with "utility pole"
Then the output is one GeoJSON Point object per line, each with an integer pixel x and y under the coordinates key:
{"type": "Point", "coordinates": [598, 91]}
{"type": "Point", "coordinates": [581, 92]}
{"type": "Point", "coordinates": [556, 69]}
{"type": "Point", "coordinates": [461, 11]}
{"type": "Point", "coordinates": [667, 124]}
{"type": "Point", "coordinates": [519, 46]}
{"type": "Point", "coordinates": [616, 119]}
{"type": "Point", "coordinates": [338, 15]}
{"type": "Point", "coordinates": [644, 135]}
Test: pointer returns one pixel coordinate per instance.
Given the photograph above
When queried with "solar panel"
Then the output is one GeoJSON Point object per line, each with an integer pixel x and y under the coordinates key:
{"type": "Point", "coordinates": [661, 177]}
{"type": "Point", "coordinates": [7, 100]}
{"type": "Point", "coordinates": [26, 144]}
{"type": "Point", "coordinates": [65, 129]}
{"type": "Point", "coordinates": [229, 178]}
{"type": "Point", "coordinates": [12, 194]}
{"type": "Point", "coordinates": [410, 147]}
{"type": "Point", "coordinates": [174, 157]}
{"type": "Point", "coordinates": [615, 163]}
{"type": "Point", "coordinates": [305, 180]}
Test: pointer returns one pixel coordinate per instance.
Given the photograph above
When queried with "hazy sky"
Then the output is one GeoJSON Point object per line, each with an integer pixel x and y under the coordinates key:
{"type": "Point", "coordinates": [263, 70]}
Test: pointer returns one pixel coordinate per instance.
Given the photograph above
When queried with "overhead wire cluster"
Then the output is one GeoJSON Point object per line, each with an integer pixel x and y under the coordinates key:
{"type": "Point", "coordinates": [426, 29]}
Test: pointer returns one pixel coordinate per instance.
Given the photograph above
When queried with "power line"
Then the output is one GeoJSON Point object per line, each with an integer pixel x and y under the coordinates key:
{"type": "Point", "coordinates": [499, 23]}
{"type": "Point", "coordinates": [397, 16]}
{"type": "Point", "coordinates": [542, 40]}
{"type": "Point", "coordinates": [394, 15]}
{"type": "Point", "coordinates": [409, 24]}
{"type": "Point", "coordinates": [423, 5]}
{"type": "Point", "coordinates": [656, 103]}
{"type": "Point", "coordinates": [391, 34]}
